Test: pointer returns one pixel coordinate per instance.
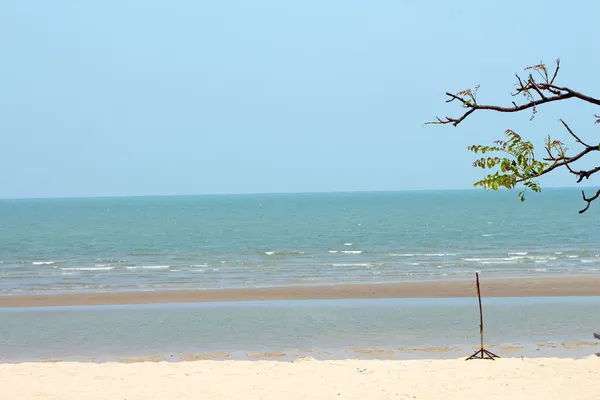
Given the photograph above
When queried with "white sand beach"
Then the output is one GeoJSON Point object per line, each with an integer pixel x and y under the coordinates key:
{"type": "Point", "coordinates": [511, 378]}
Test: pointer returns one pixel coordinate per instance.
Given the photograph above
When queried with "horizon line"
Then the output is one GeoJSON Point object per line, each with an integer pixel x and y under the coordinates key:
{"type": "Point", "coordinates": [269, 193]}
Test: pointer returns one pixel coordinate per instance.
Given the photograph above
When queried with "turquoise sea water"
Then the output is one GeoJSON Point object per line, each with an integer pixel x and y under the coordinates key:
{"type": "Point", "coordinates": [195, 242]}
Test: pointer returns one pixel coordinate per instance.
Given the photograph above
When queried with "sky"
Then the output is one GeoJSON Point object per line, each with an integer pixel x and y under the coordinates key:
{"type": "Point", "coordinates": [144, 97]}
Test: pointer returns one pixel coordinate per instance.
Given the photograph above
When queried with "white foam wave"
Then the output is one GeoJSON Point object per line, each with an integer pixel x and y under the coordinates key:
{"type": "Point", "coordinates": [44, 262]}
{"type": "Point", "coordinates": [199, 265]}
{"type": "Point", "coordinates": [495, 262]}
{"type": "Point", "coordinates": [87, 269]}
{"type": "Point", "coordinates": [350, 265]}
{"type": "Point", "coordinates": [348, 244]}
{"type": "Point", "coordinates": [402, 255]}
{"type": "Point", "coordinates": [492, 259]}
{"type": "Point", "coordinates": [333, 251]}
{"type": "Point", "coordinates": [352, 251]}
{"type": "Point", "coordinates": [487, 234]}
{"type": "Point", "coordinates": [518, 253]}
{"type": "Point", "coordinates": [439, 254]}
{"type": "Point", "coordinates": [149, 267]}
{"type": "Point", "coordinates": [572, 256]}
{"type": "Point", "coordinates": [284, 253]}
{"type": "Point", "coordinates": [558, 252]}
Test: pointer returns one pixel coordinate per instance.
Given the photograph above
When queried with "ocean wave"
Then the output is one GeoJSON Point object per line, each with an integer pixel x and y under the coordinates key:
{"type": "Point", "coordinates": [147, 254]}
{"type": "Point", "coordinates": [199, 265]}
{"type": "Point", "coordinates": [402, 255]}
{"type": "Point", "coordinates": [492, 259]}
{"type": "Point", "coordinates": [542, 258]}
{"type": "Point", "coordinates": [348, 244]}
{"type": "Point", "coordinates": [360, 265]}
{"type": "Point", "coordinates": [446, 266]}
{"type": "Point", "coordinates": [44, 262]}
{"type": "Point", "coordinates": [352, 251]}
{"type": "Point", "coordinates": [349, 265]}
{"type": "Point", "coordinates": [518, 253]}
{"type": "Point", "coordinates": [86, 268]}
{"type": "Point", "coordinates": [439, 254]}
{"type": "Point", "coordinates": [495, 262]}
{"type": "Point", "coordinates": [283, 253]}
{"type": "Point", "coordinates": [333, 251]}
{"type": "Point", "coordinates": [149, 267]}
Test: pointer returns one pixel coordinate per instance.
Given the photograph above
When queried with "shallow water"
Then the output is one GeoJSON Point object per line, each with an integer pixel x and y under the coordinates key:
{"type": "Point", "coordinates": [329, 328]}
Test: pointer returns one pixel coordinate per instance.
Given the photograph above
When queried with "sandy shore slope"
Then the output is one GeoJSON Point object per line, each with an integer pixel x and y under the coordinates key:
{"type": "Point", "coordinates": [526, 287]}
{"type": "Point", "coordinates": [306, 379]}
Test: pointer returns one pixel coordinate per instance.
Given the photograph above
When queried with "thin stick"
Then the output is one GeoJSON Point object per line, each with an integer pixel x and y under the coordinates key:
{"type": "Point", "coordinates": [480, 309]}
{"type": "Point", "coordinates": [481, 353]}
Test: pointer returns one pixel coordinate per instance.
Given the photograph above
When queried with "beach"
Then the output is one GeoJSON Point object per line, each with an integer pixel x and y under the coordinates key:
{"type": "Point", "coordinates": [514, 378]}
{"type": "Point", "coordinates": [298, 296]}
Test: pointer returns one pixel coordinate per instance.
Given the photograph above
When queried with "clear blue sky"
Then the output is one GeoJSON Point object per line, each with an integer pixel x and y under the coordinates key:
{"type": "Point", "coordinates": [103, 98]}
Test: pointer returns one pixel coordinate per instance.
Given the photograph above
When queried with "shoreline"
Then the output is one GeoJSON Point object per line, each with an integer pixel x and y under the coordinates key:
{"type": "Point", "coordinates": [575, 350]}
{"type": "Point", "coordinates": [507, 287]}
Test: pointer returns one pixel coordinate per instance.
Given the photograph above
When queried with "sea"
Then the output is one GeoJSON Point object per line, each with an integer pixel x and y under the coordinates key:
{"type": "Point", "coordinates": [232, 241]}
{"type": "Point", "coordinates": [209, 242]}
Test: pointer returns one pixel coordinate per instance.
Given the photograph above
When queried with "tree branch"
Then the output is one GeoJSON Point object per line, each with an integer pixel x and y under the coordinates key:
{"type": "Point", "coordinates": [586, 174]}
{"type": "Point", "coordinates": [574, 135]}
{"type": "Point", "coordinates": [521, 166]}
{"type": "Point", "coordinates": [562, 161]}
{"type": "Point", "coordinates": [588, 200]}
{"type": "Point", "coordinates": [557, 93]}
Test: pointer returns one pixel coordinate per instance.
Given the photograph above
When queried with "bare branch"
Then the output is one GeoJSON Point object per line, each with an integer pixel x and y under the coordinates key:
{"type": "Point", "coordinates": [572, 134]}
{"type": "Point", "coordinates": [588, 200]}
{"type": "Point", "coordinates": [557, 93]}
{"type": "Point", "coordinates": [555, 71]}
{"type": "Point", "coordinates": [535, 87]}
{"type": "Point", "coordinates": [456, 121]}
{"type": "Point", "coordinates": [586, 174]}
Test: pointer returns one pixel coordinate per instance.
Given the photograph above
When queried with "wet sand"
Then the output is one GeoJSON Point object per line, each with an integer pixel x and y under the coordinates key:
{"type": "Point", "coordinates": [521, 287]}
